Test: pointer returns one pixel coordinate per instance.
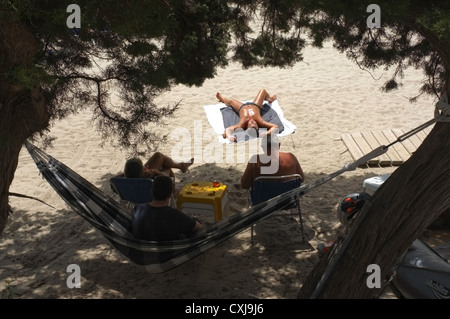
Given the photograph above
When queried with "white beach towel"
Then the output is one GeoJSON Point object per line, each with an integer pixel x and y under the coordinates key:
{"type": "Point", "coordinates": [215, 119]}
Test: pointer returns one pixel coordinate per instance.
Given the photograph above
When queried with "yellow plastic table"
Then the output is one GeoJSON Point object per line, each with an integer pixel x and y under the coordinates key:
{"type": "Point", "coordinates": [201, 197]}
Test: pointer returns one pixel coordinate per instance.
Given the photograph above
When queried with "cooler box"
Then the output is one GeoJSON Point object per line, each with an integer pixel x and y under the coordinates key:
{"type": "Point", "coordinates": [370, 185]}
{"type": "Point", "coordinates": [202, 198]}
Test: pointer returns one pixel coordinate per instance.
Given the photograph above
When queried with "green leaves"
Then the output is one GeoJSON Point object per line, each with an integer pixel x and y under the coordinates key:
{"type": "Point", "coordinates": [29, 76]}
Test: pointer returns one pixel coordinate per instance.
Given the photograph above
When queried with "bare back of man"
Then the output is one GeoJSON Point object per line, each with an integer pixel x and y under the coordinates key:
{"type": "Point", "coordinates": [249, 113]}
{"type": "Point", "coordinates": [275, 162]}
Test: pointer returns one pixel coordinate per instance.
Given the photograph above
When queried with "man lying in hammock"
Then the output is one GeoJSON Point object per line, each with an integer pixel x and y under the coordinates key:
{"type": "Point", "coordinates": [249, 114]}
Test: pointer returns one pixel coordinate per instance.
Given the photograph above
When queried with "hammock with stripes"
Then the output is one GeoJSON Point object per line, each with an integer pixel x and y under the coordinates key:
{"type": "Point", "coordinates": [113, 219]}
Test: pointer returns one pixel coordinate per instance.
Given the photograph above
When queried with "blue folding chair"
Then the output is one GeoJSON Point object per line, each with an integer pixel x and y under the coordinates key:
{"type": "Point", "coordinates": [133, 190]}
{"type": "Point", "coordinates": [267, 187]}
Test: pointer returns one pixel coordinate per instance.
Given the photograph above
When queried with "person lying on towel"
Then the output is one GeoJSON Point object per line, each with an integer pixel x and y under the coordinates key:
{"type": "Point", "coordinates": [249, 114]}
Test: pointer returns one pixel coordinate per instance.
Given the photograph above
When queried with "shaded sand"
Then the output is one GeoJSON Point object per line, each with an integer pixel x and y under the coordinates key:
{"type": "Point", "coordinates": [324, 96]}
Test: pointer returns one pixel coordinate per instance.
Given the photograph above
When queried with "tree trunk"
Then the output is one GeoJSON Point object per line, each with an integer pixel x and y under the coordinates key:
{"type": "Point", "coordinates": [23, 112]}
{"type": "Point", "coordinates": [397, 214]}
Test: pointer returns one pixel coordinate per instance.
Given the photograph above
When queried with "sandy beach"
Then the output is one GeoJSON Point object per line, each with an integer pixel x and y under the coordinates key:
{"type": "Point", "coordinates": [325, 96]}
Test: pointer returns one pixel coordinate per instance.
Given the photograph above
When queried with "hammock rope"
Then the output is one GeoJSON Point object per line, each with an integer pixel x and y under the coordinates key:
{"type": "Point", "coordinates": [441, 114]}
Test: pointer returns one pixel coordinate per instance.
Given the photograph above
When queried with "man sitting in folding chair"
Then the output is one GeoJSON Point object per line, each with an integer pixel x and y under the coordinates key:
{"type": "Point", "coordinates": [273, 166]}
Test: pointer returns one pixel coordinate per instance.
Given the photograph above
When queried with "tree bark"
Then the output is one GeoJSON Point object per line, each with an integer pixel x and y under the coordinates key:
{"type": "Point", "coordinates": [22, 114]}
{"type": "Point", "coordinates": [23, 111]}
{"type": "Point", "coordinates": [397, 214]}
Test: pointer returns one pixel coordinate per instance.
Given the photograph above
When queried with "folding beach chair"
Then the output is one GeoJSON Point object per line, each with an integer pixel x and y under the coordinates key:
{"type": "Point", "coordinates": [265, 188]}
{"type": "Point", "coordinates": [133, 190]}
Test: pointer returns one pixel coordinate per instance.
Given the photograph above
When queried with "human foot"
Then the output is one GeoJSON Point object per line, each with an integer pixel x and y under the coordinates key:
{"type": "Point", "coordinates": [272, 98]}
{"type": "Point", "coordinates": [222, 99]}
{"type": "Point", "coordinates": [185, 166]}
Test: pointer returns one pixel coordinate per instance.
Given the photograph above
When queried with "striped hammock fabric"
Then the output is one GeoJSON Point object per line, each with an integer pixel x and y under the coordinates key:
{"type": "Point", "coordinates": [113, 219]}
